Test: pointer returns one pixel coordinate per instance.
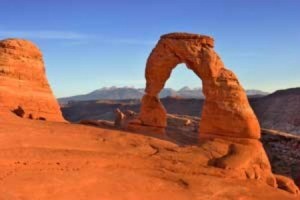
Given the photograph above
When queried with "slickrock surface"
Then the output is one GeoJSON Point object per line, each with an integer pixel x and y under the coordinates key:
{"type": "Point", "coordinates": [51, 160]}
{"type": "Point", "coordinates": [226, 110]}
{"type": "Point", "coordinates": [282, 148]}
{"type": "Point", "coordinates": [24, 88]}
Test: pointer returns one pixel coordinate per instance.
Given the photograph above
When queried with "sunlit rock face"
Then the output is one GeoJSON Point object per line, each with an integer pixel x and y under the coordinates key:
{"type": "Point", "coordinates": [24, 88]}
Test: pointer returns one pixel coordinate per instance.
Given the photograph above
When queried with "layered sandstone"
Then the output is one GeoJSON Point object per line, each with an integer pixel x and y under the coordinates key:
{"type": "Point", "coordinates": [24, 88]}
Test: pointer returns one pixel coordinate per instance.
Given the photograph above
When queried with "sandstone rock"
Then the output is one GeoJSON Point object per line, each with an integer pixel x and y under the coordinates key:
{"type": "Point", "coordinates": [229, 129]}
{"type": "Point", "coordinates": [119, 118]}
{"type": "Point", "coordinates": [99, 123]}
{"type": "Point", "coordinates": [153, 112]}
{"type": "Point", "coordinates": [23, 83]}
{"type": "Point", "coordinates": [287, 184]}
{"type": "Point", "coordinates": [182, 123]}
{"type": "Point", "coordinates": [226, 110]}
{"type": "Point", "coordinates": [176, 121]}
{"type": "Point", "coordinates": [130, 114]}
{"type": "Point", "coordinates": [49, 160]}
{"type": "Point", "coordinates": [248, 157]}
{"type": "Point", "coordinates": [135, 126]}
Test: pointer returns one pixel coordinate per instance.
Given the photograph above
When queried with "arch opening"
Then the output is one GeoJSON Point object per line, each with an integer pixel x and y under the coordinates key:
{"type": "Point", "coordinates": [183, 99]}
{"type": "Point", "coordinates": [182, 79]}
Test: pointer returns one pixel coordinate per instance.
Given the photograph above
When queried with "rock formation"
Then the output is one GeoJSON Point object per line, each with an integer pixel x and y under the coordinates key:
{"type": "Point", "coordinates": [226, 110]}
{"type": "Point", "coordinates": [24, 88]}
{"type": "Point", "coordinates": [228, 124]}
{"type": "Point", "coordinates": [119, 118]}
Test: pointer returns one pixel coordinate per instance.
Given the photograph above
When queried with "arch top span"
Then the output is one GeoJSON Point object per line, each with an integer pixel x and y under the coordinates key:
{"type": "Point", "coordinates": [204, 39]}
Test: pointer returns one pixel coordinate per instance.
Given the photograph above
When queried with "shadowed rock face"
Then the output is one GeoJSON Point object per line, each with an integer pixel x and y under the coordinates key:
{"type": "Point", "coordinates": [23, 82]}
{"type": "Point", "coordinates": [226, 110]}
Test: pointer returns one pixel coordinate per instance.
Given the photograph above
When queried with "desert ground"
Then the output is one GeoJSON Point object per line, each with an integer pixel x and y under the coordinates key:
{"type": "Point", "coordinates": [56, 160]}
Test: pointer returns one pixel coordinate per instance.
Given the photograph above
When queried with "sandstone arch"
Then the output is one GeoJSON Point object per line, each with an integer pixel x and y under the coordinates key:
{"type": "Point", "coordinates": [226, 111]}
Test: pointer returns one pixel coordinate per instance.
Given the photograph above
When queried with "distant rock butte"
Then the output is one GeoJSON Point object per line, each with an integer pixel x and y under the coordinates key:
{"type": "Point", "coordinates": [226, 115]}
{"type": "Point", "coordinates": [279, 110]}
{"type": "Point", "coordinates": [24, 88]}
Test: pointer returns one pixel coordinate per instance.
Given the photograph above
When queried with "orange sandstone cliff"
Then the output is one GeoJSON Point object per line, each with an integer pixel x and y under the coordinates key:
{"type": "Point", "coordinates": [24, 88]}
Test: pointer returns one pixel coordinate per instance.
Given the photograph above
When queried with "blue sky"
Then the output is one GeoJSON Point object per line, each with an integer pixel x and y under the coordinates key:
{"type": "Point", "coordinates": [93, 43]}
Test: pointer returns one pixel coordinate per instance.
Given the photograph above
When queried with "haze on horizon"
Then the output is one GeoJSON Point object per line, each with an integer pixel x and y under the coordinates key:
{"type": "Point", "coordinates": [92, 44]}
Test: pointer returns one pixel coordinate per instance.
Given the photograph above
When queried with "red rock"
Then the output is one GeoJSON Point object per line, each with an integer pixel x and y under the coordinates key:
{"type": "Point", "coordinates": [50, 160]}
{"type": "Point", "coordinates": [226, 110]}
{"type": "Point", "coordinates": [119, 118]}
{"type": "Point", "coordinates": [23, 82]}
{"type": "Point", "coordinates": [153, 112]}
{"type": "Point", "coordinates": [287, 184]}
{"type": "Point", "coordinates": [228, 124]}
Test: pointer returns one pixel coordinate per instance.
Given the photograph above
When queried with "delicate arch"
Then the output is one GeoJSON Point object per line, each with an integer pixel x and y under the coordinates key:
{"type": "Point", "coordinates": [226, 111]}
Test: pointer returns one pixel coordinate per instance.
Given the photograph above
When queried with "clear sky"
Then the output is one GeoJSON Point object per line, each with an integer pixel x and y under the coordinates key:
{"type": "Point", "coordinates": [88, 44]}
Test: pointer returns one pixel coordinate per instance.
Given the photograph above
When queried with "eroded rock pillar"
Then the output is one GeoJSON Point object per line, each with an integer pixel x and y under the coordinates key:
{"type": "Point", "coordinates": [158, 69]}
{"type": "Point", "coordinates": [23, 83]}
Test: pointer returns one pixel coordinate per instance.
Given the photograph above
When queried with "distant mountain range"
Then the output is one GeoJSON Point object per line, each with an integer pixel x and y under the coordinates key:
{"type": "Point", "coordinates": [121, 93]}
{"type": "Point", "coordinates": [279, 110]}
